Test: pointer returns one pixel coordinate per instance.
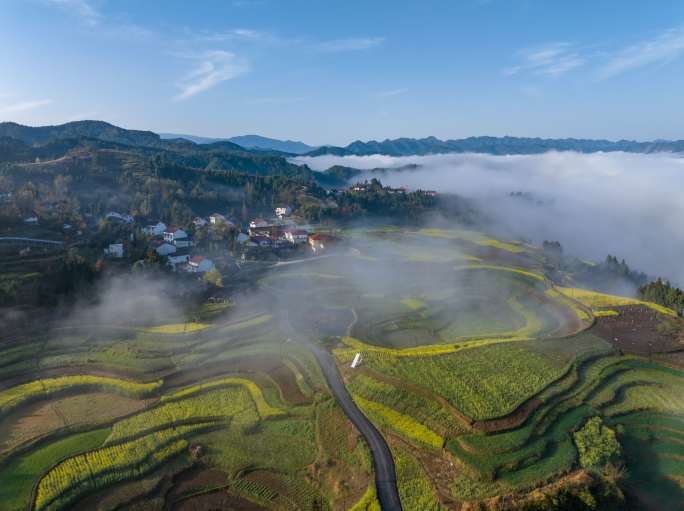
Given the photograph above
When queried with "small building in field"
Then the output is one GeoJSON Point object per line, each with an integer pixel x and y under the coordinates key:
{"type": "Point", "coordinates": [296, 236]}
{"type": "Point", "coordinates": [199, 264]}
{"type": "Point", "coordinates": [155, 229]}
{"type": "Point", "coordinates": [31, 220]}
{"type": "Point", "coordinates": [357, 361]}
{"type": "Point", "coordinates": [115, 250]}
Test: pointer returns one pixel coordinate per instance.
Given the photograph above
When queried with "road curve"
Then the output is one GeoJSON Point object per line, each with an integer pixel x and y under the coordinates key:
{"type": "Point", "coordinates": [385, 474]}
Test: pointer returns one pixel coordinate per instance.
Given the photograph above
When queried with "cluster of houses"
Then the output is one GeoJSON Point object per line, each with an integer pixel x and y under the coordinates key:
{"type": "Point", "coordinates": [280, 232]}
{"type": "Point", "coordinates": [172, 242]}
{"type": "Point", "coordinates": [262, 236]}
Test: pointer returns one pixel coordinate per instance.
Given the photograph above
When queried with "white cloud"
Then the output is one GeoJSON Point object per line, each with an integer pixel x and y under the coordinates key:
{"type": "Point", "coordinates": [667, 46]}
{"type": "Point", "coordinates": [553, 59]}
{"type": "Point", "coordinates": [349, 44]}
{"type": "Point", "coordinates": [392, 92]}
{"type": "Point", "coordinates": [213, 68]}
{"type": "Point", "coordinates": [81, 8]}
{"type": "Point", "coordinates": [23, 106]}
{"type": "Point", "coordinates": [628, 205]}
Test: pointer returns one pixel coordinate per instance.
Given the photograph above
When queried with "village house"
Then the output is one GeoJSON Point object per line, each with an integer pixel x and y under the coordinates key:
{"type": "Point", "coordinates": [175, 260]}
{"type": "Point", "coordinates": [258, 223]}
{"type": "Point", "coordinates": [296, 236]}
{"type": "Point", "coordinates": [261, 240]}
{"type": "Point", "coordinates": [155, 229]}
{"type": "Point", "coordinates": [259, 226]}
{"type": "Point", "coordinates": [199, 264]}
{"type": "Point", "coordinates": [280, 242]}
{"type": "Point", "coordinates": [178, 237]}
{"type": "Point", "coordinates": [33, 219]}
{"type": "Point", "coordinates": [165, 249]}
{"type": "Point", "coordinates": [115, 250]}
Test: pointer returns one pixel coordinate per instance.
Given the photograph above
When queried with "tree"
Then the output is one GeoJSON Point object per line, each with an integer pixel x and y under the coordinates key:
{"type": "Point", "coordinates": [597, 444]}
{"type": "Point", "coordinates": [213, 277]}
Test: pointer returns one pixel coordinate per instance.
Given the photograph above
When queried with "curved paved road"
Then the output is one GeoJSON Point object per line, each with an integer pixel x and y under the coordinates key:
{"type": "Point", "coordinates": [385, 474]}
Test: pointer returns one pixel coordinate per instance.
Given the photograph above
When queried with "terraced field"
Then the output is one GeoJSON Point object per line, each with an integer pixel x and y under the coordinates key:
{"type": "Point", "coordinates": [475, 367]}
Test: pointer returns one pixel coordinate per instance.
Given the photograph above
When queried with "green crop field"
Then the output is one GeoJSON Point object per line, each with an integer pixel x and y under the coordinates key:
{"type": "Point", "coordinates": [475, 367]}
{"type": "Point", "coordinates": [482, 383]}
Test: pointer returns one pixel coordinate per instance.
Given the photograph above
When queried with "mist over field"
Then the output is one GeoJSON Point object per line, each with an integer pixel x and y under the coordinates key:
{"type": "Point", "coordinates": [128, 299]}
{"type": "Point", "coordinates": [628, 205]}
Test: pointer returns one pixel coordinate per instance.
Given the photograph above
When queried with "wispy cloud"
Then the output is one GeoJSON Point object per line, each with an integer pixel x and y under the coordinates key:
{"type": "Point", "coordinates": [552, 59]}
{"type": "Point", "coordinates": [213, 68]}
{"type": "Point", "coordinates": [23, 106]}
{"type": "Point", "coordinates": [666, 47]}
{"type": "Point", "coordinates": [81, 8]}
{"type": "Point", "coordinates": [238, 35]}
{"type": "Point", "coordinates": [349, 44]}
{"type": "Point", "coordinates": [391, 92]}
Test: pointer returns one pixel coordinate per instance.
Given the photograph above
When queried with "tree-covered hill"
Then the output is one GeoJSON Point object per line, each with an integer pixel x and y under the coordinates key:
{"type": "Point", "coordinates": [40, 135]}
{"type": "Point", "coordinates": [494, 145]}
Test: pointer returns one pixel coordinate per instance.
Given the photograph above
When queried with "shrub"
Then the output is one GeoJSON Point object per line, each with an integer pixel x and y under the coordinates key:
{"type": "Point", "coordinates": [597, 444]}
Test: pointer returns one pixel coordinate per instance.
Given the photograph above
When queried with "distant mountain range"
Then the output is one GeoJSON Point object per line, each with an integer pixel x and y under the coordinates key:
{"type": "Point", "coordinates": [250, 142]}
{"type": "Point", "coordinates": [494, 145]}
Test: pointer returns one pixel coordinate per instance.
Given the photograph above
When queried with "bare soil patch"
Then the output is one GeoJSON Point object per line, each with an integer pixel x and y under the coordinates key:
{"type": "Point", "coordinates": [641, 330]}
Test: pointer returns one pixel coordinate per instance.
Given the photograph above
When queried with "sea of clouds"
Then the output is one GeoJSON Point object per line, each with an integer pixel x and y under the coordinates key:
{"type": "Point", "coordinates": [628, 205]}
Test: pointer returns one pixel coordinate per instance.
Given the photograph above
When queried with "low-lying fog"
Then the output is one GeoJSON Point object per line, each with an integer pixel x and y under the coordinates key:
{"type": "Point", "coordinates": [629, 205]}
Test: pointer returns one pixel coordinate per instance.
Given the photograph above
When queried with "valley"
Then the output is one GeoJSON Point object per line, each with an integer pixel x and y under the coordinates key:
{"type": "Point", "coordinates": [477, 369]}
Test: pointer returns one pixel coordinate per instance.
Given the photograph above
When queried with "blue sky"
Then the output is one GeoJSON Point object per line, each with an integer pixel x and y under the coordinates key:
{"type": "Point", "coordinates": [328, 71]}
